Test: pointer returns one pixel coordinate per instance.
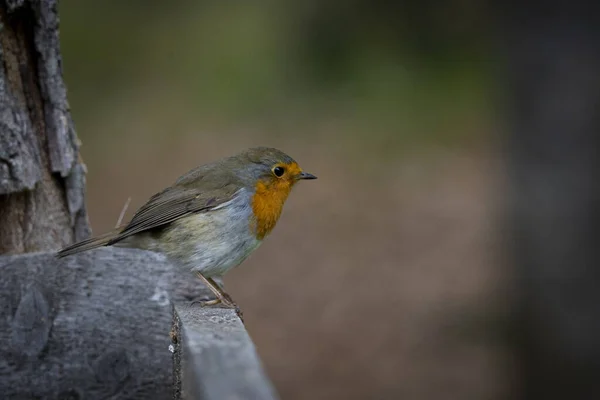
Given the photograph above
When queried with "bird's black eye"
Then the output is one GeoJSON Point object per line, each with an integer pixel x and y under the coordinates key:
{"type": "Point", "coordinates": [278, 171]}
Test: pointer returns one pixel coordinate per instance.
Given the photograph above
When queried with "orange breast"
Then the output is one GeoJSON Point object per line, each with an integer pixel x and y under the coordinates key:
{"type": "Point", "coordinates": [267, 204]}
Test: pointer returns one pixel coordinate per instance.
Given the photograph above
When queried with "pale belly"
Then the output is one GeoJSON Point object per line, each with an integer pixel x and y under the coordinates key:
{"type": "Point", "coordinates": [211, 243]}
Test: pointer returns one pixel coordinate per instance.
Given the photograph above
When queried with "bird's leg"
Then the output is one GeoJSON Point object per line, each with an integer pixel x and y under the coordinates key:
{"type": "Point", "coordinates": [213, 288]}
{"type": "Point", "coordinates": [222, 297]}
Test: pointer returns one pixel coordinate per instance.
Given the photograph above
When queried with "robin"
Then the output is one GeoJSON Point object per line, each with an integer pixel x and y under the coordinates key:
{"type": "Point", "coordinates": [213, 217]}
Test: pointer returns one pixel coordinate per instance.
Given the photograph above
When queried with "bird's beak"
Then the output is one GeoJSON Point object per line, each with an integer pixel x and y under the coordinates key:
{"type": "Point", "coordinates": [306, 175]}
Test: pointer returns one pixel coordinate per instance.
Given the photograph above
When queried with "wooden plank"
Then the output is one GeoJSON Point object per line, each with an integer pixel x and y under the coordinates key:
{"type": "Point", "coordinates": [218, 358]}
{"type": "Point", "coordinates": [99, 325]}
{"type": "Point", "coordinates": [95, 325]}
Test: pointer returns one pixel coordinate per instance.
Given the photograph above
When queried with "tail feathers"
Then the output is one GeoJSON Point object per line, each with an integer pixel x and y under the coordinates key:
{"type": "Point", "coordinates": [88, 244]}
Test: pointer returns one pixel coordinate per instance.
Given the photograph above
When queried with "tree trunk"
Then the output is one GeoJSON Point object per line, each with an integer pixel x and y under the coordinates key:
{"type": "Point", "coordinates": [553, 102]}
{"type": "Point", "coordinates": [42, 178]}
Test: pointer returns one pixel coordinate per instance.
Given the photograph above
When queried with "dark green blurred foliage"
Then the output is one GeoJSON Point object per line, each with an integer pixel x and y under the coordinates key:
{"type": "Point", "coordinates": [332, 36]}
{"type": "Point", "coordinates": [409, 69]}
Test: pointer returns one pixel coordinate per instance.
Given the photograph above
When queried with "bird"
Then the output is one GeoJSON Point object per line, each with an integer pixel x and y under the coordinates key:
{"type": "Point", "coordinates": [212, 218]}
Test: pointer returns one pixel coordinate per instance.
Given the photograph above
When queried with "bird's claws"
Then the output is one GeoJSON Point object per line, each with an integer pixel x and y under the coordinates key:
{"type": "Point", "coordinates": [226, 301]}
{"type": "Point", "coordinates": [205, 302]}
{"type": "Point", "coordinates": [239, 313]}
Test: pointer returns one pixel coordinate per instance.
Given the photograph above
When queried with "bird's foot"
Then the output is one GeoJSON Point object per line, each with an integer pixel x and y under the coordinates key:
{"type": "Point", "coordinates": [228, 302]}
{"type": "Point", "coordinates": [206, 303]}
{"type": "Point", "coordinates": [225, 300]}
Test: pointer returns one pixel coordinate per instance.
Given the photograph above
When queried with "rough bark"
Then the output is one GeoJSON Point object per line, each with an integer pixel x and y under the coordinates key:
{"type": "Point", "coordinates": [553, 102]}
{"type": "Point", "coordinates": [42, 179]}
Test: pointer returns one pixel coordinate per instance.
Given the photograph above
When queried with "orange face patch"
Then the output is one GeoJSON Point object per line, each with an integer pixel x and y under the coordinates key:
{"type": "Point", "coordinates": [269, 197]}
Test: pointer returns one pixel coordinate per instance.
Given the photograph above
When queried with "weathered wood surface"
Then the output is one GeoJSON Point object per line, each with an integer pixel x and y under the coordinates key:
{"type": "Point", "coordinates": [92, 326]}
{"type": "Point", "coordinates": [217, 357]}
{"type": "Point", "coordinates": [42, 180]}
{"type": "Point", "coordinates": [99, 325]}
{"type": "Point", "coordinates": [553, 95]}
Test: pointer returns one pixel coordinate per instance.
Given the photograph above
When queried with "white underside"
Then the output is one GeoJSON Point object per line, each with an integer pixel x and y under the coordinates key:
{"type": "Point", "coordinates": [222, 238]}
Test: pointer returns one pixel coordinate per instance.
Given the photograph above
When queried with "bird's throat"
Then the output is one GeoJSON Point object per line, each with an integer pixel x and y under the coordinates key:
{"type": "Point", "coordinates": [267, 204]}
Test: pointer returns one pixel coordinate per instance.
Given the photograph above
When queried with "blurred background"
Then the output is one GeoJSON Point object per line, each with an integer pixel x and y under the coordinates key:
{"type": "Point", "coordinates": [381, 280]}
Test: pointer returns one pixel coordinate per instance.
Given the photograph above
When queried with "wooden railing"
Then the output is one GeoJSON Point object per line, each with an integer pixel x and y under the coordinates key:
{"type": "Point", "coordinates": [118, 323]}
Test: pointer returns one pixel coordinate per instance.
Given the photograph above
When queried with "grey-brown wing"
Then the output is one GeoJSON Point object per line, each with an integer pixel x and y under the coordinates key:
{"type": "Point", "coordinates": [170, 205]}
